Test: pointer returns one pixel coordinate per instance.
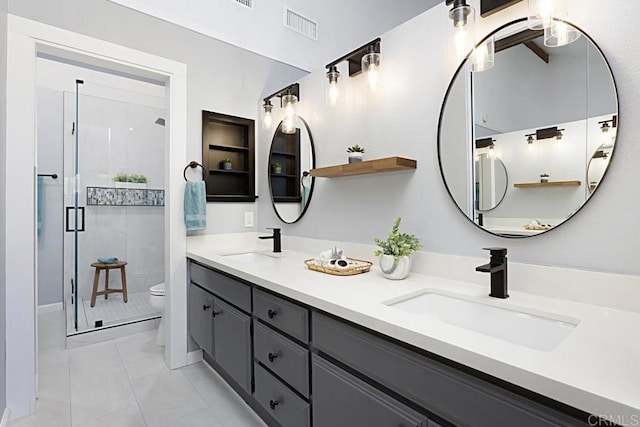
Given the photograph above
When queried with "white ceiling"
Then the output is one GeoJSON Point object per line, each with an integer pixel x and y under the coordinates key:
{"type": "Point", "coordinates": [342, 25]}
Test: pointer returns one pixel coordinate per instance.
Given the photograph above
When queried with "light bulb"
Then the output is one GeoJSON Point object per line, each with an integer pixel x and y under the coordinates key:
{"type": "Point", "coordinates": [492, 152]}
{"type": "Point", "coordinates": [463, 17]}
{"type": "Point", "coordinates": [332, 93]}
{"type": "Point", "coordinates": [267, 117]}
{"type": "Point", "coordinates": [370, 65]}
{"type": "Point", "coordinates": [462, 40]}
{"type": "Point", "coordinates": [289, 121]}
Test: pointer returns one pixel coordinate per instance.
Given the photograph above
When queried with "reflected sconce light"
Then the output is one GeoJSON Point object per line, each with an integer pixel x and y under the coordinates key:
{"type": "Point", "coordinates": [550, 16]}
{"type": "Point", "coordinates": [289, 97]}
{"type": "Point", "coordinates": [364, 60]}
{"type": "Point", "coordinates": [487, 142]}
{"type": "Point", "coordinates": [546, 133]}
{"type": "Point", "coordinates": [483, 56]}
{"type": "Point", "coordinates": [464, 18]}
{"type": "Point", "coordinates": [605, 128]}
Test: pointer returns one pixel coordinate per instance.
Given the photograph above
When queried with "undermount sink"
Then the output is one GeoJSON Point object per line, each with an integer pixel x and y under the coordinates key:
{"type": "Point", "coordinates": [539, 331]}
{"type": "Point", "coordinates": [250, 256]}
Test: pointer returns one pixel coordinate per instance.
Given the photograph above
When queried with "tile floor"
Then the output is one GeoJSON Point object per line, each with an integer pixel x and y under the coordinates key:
{"type": "Point", "coordinates": [124, 382]}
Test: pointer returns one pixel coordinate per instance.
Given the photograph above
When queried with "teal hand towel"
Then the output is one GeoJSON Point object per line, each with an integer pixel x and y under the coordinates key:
{"type": "Point", "coordinates": [195, 206]}
{"type": "Point", "coordinates": [107, 259]}
{"type": "Point", "coordinates": [40, 203]}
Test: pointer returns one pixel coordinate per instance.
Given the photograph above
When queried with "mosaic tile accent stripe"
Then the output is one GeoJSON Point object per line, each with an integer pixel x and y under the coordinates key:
{"type": "Point", "coordinates": [107, 196]}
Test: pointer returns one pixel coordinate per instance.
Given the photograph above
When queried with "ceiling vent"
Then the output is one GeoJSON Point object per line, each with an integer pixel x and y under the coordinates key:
{"type": "Point", "coordinates": [246, 3]}
{"type": "Point", "coordinates": [300, 24]}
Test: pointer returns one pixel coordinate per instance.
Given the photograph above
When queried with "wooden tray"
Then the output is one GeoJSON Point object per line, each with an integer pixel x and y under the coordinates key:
{"type": "Point", "coordinates": [361, 267]}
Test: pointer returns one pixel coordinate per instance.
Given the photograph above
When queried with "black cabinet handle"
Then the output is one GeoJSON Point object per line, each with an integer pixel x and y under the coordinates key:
{"type": "Point", "coordinates": [205, 307]}
{"type": "Point", "coordinates": [272, 357]}
{"type": "Point", "coordinates": [216, 313]}
{"type": "Point", "coordinates": [274, 403]}
{"type": "Point", "coordinates": [271, 313]}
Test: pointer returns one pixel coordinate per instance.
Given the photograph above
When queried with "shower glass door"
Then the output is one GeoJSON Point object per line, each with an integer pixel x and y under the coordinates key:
{"type": "Point", "coordinates": [114, 204]}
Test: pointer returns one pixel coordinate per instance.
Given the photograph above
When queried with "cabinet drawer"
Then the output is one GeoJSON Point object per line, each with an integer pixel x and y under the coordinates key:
{"type": "Point", "coordinates": [284, 315]}
{"type": "Point", "coordinates": [339, 398]}
{"type": "Point", "coordinates": [283, 405]}
{"type": "Point", "coordinates": [454, 395]}
{"type": "Point", "coordinates": [227, 288]}
{"type": "Point", "coordinates": [285, 358]}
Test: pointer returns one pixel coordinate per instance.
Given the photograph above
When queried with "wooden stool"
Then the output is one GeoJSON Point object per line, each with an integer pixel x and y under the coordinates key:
{"type": "Point", "coordinates": [106, 267]}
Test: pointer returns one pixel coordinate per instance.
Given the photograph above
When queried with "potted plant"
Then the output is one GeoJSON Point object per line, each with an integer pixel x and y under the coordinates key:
{"type": "Point", "coordinates": [123, 180]}
{"type": "Point", "coordinates": [394, 252]}
{"type": "Point", "coordinates": [355, 153]}
{"type": "Point", "coordinates": [544, 177]}
{"type": "Point", "coordinates": [227, 164]}
{"type": "Point", "coordinates": [276, 168]}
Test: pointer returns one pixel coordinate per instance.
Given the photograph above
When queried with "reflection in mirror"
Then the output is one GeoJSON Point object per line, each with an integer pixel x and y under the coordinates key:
{"type": "Point", "coordinates": [544, 113]}
{"type": "Point", "coordinates": [490, 181]}
{"type": "Point", "coordinates": [291, 158]}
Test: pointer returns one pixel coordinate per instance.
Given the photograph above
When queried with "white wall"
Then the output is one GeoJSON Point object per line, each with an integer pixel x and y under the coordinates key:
{"type": "Point", "coordinates": [402, 120]}
{"type": "Point", "coordinates": [342, 26]}
{"type": "Point", "coordinates": [222, 78]}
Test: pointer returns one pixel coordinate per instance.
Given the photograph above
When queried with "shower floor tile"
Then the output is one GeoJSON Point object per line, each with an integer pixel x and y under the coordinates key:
{"type": "Point", "coordinates": [111, 311]}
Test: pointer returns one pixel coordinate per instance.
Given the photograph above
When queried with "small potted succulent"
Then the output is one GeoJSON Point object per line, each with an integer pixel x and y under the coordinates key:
{"type": "Point", "coordinates": [355, 153]}
{"type": "Point", "coordinates": [276, 168]}
{"type": "Point", "coordinates": [544, 177]}
{"type": "Point", "coordinates": [394, 252]}
{"type": "Point", "coordinates": [227, 164]}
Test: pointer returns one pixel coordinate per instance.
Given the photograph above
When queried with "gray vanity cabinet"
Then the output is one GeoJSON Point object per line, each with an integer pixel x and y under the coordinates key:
{"type": "Point", "coordinates": [232, 342]}
{"type": "Point", "coordinates": [339, 396]}
{"type": "Point", "coordinates": [200, 317]}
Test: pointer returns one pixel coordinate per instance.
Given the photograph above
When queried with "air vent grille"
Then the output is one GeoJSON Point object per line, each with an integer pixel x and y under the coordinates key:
{"type": "Point", "coordinates": [300, 24]}
{"type": "Point", "coordinates": [246, 3]}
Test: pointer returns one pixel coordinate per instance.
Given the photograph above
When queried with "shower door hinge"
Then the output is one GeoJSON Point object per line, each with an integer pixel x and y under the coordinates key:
{"type": "Point", "coordinates": [73, 128]}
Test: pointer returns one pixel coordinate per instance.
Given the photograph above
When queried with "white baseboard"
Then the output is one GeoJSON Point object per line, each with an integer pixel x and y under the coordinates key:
{"type": "Point", "coordinates": [47, 308]}
{"type": "Point", "coordinates": [5, 418]}
{"type": "Point", "coordinates": [192, 357]}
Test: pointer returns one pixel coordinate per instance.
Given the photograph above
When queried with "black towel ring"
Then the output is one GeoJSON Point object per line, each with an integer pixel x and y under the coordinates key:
{"type": "Point", "coordinates": [304, 175]}
{"type": "Point", "coordinates": [193, 164]}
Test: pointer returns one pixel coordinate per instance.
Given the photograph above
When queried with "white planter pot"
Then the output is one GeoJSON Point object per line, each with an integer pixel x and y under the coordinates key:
{"type": "Point", "coordinates": [395, 270]}
{"type": "Point", "coordinates": [355, 157]}
{"type": "Point", "coordinates": [131, 185]}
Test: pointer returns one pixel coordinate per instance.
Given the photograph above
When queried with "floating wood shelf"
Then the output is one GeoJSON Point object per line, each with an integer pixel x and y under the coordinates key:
{"type": "Point", "coordinates": [387, 164]}
{"type": "Point", "coordinates": [547, 184]}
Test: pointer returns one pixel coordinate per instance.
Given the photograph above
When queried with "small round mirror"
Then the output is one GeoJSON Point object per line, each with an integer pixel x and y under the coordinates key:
{"type": "Point", "coordinates": [291, 157]}
{"type": "Point", "coordinates": [490, 182]}
{"type": "Point", "coordinates": [550, 114]}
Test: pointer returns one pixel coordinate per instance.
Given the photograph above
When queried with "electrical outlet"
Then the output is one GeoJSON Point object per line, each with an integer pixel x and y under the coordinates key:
{"type": "Point", "coordinates": [248, 219]}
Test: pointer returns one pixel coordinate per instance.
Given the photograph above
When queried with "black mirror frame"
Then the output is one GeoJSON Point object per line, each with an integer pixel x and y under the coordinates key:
{"type": "Point", "coordinates": [444, 103]}
{"type": "Point", "coordinates": [313, 179]}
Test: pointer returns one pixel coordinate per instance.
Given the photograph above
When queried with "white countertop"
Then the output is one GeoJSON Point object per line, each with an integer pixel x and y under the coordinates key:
{"type": "Point", "coordinates": [595, 369]}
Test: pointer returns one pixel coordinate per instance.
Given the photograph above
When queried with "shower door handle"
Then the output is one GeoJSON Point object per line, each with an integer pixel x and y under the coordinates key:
{"type": "Point", "coordinates": [70, 218]}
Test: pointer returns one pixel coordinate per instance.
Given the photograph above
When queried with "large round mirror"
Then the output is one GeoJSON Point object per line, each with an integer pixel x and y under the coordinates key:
{"type": "Point", "coordinates": [291, 157]}
{"type": "Point", "coordinates": [549, 114]}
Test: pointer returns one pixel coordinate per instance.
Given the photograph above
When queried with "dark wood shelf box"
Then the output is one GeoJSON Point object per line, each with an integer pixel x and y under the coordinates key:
{"type": "Point", "coordinates": [223, 137]}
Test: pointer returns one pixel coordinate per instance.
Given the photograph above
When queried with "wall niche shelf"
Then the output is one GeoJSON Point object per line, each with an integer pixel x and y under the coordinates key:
{"type": "Point", "coordinates": [387, 164]}
{"type": "Point", "coordinates": [228, 137]}
{"type": "Point", "coordinates": [110, 196]}
{"type": "Point", "coordinates": [547, 184]}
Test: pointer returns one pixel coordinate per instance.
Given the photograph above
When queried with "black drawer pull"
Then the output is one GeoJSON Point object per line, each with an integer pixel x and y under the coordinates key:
{"type": "Point", "coordinates": [216, 313]}
{"type": "Point", "coordinates": [271, 313]}
{"type": "Point", "coordinates": [206, 307]}
{"type": "Point", "coordinates": [274, 403]}
{"type": "Point", "coordinates": [272, 357]}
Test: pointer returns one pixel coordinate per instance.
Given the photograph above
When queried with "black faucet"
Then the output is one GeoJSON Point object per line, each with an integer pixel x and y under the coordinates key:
{"type": "Point", "coordinates": [498, 268]}
{"type": "Point", "coordinates": [277, 241]}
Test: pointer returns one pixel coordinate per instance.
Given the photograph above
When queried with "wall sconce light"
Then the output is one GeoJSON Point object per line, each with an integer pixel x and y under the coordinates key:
{"type": "Point", "coordinates": [332, 93]}
{"type": "Point", "coordinates": [487, 142]}
{"type": "Point", "coordinates": [267, 118]}
{"type": "Point", "coordinates": [289, 97]}
{"type": "Point", "coordinates": [365, 59]}
{"type": "Point", "coordinates": [560, 34]}
{"type": "Point", "coordinates": [546, 133]}
{"type": "Point", "coordinates": [542, 13]}
{"type": "Point", "coordinates": [464, 18]}
{"type": "Point", "coordinates": [530, 142]}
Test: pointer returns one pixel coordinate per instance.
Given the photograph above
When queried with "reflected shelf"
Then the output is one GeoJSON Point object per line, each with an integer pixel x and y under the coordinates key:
{"type": "Point", "coordinates": [547, 184]}
{"type": "Point", "coordinates": [387, 164]}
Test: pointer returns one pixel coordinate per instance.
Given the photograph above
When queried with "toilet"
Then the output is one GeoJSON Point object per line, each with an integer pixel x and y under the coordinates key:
{"type": "Point", "coordinates": [156, 299]}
